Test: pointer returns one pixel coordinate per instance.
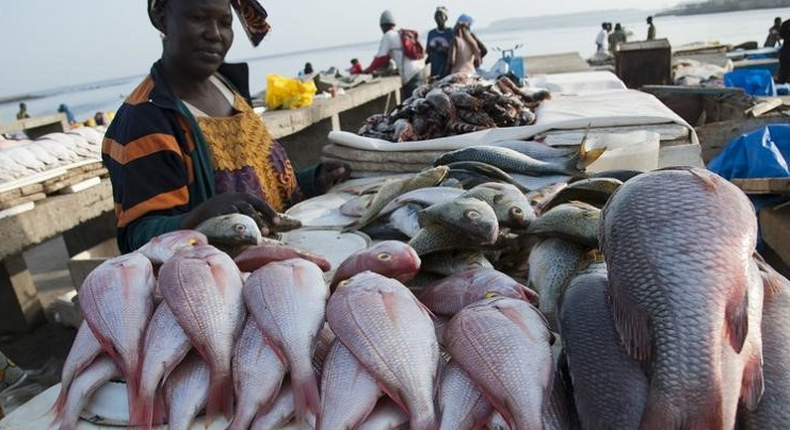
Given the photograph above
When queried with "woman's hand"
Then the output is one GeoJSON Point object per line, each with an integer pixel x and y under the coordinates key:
{"type": "Point", "coordinates": [227, 203]}
{"type": "Point", "coordinates": [331, 173]}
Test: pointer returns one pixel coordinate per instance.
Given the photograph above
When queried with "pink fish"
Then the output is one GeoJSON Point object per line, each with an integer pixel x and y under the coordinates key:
{"type": "Point", "coordinates": [84, 350]}
{"type": "Point", "coordinates": [203, 287]}
{"type": "Point", "coordinates": [165, 345]}
{"type": "Point", "coordinates": [257, 375]}
{"type": "Point", "coordinates": [390, 258]}
{"type": "Point", "coordinates": [343, 374]}
{"type": "Point", "coordinates": [117, 302]}
{"type": "Point", "coordinates": [386, 416]}
{"type": "Point", "coordinates": [389, 331]}
{"type": "Point", "coordinates": [101, 371]}
{"type": "Point", "coordinates": [288, 301]}
{"type": "Point", "coordinates": [280, 413]}
{"type": "Point", "coordinates": [452, 293]}
{"type": "Point", "coordinates": [504, 344]}
{"type": "Point", "coordinates": [186, 392]}
{"type": "Point", "coordinates": [323, 343]}
{"type": "Point", "coordinates": [258, 256]}
{"type": "Point", "coordinates": [461, 403]}
{"type": "Point", "coordinates": [163, 247]}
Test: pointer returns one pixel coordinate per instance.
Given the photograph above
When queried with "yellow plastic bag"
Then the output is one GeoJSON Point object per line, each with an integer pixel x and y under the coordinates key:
{"type": "Point", "coordinates": [287, 93]}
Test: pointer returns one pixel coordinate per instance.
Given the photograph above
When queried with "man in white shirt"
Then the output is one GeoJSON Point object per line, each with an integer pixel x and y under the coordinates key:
{"type": "Point", "coordinates": [391, 47]}
{"type": "Point", "coordinates": [602, 39]}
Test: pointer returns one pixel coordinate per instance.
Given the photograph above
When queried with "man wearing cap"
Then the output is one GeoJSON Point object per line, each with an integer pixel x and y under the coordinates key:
{"type": "Point", "coordinates": [391, 47]}
{"type": "Point", "coordinates": [439, 41]}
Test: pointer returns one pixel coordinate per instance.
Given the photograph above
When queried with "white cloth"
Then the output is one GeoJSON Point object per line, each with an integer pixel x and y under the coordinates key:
{"type": "Point", "coordinates": [602, 40]}
{"type": "Point", "coordinates": [392, 46]}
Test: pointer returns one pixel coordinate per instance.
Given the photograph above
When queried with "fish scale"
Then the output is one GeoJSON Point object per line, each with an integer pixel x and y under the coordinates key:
{"type": "Point", "coordinates": [678, 245]}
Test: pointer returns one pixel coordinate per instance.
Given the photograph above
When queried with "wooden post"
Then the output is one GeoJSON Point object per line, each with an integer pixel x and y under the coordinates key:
{"type": "Point", "coordinates": [20, 308]}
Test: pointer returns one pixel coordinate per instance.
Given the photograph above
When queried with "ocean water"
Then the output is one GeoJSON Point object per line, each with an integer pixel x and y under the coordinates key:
{"type": "Point", "coordinates": [537, 35]}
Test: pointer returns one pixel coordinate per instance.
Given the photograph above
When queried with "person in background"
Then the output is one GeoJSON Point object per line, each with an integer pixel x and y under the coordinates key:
{"type": "Point", "coordinates": [101, 118]}
{"type": "Point", "coordinates": [307, 71]}
{"type": "Point", "coordinates": [465, 52]}
{"type": "Point", "coordinates": [22, 114]}
{"type": "Point", "coordinates": [63, 108]}
{"type": "Point", "coordinates": [651, 29]}
{"type": "Point", "coordinates": [391, 47]}
{"type": "Point", "coordinates": [616, 37]}
{"type": "Point", "coordinates": [186, 145]}
{"type": "Point", "coordinates": [784, 55]}
{"type": "Point", "coordinates": [773, 34]}
{"type": "Point", "coordinates": [601, 39]}
{"type": "Point", "coordinates": [356, 67]}
{"type": "Point", "coordinates": [438, 45]}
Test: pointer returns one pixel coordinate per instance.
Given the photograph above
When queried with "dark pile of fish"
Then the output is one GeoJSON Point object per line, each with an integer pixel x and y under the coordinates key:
{"type": "Point", "coordinates": [597, 304]}
{"type": "Point", "coordinates": [457, 104]}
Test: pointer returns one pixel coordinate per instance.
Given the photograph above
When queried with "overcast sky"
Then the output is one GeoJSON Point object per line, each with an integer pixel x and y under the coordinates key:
{"type": "Point", "coordinates": [52, 43]}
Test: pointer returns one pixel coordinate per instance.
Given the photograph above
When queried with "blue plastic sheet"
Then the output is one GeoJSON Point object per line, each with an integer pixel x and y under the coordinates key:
{"type": "Point", "coordinates": [755, 82]}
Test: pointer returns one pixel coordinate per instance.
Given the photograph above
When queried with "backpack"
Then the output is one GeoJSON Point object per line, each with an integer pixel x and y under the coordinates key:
{"type": "Point", "coordinates": [412, 48]}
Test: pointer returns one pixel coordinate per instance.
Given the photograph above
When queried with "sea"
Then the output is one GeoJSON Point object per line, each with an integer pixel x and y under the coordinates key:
{"type": "Point", "coordinates": [530, 36]}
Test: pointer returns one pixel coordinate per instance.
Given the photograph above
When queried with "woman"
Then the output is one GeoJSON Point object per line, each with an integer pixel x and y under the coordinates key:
{"type": "Point", "coordinates": [186, 145]}
{"type": "Point", "coordinates": [466, 52]}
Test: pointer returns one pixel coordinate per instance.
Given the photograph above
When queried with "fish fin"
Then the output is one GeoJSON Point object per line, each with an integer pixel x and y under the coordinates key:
{"type": "Point", "coordinates": [711, 182]}
{"type": "Point", "coordinates": [220, 397]}
{"type": "Point", "coordinates": [307, 400]}
{"type": "Point", "coordinates": [773, 282]}
{"type": "Point", "coordinates": [631, 324]}
{"type": "Point", "coordinates": [585, 157]}
{"type": "Point", "coordinates": [753, 383]}
{"type": "Point", "coordinates": [737, 318]}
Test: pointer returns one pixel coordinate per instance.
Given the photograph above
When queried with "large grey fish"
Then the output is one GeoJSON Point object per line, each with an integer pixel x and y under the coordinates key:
{"type": "Point", "coordinates": [609, 386]}
{"type": "Point", "coordinates": [386, 416]}
{"type": "Point", "coordinates": [280, 413]}
{"type": "Point", "coordinates": [552, 264]}
{"type": "Point", "coordinates": [406, 219]}
{"type": "Point", "coordinates": [516, 162]}
{"type": "Point", "coordinates": [575, 221]}
{"type": "Point", "coordinates": [288, 301]}
{"type": "Point", "coordinates": [449, 295]}
{"type": "Point", "coordinates": [537, 150]}
{"type": "Point", "coordinates": [461, 404]}
{"type": "Point", "coordinates": [678, 246]}
{"type": "Point", "coordinates": [393, 188]}
{"type": "Point", "coordinates": [467, 216]}
{"type": "Point", "coordinates": [98, 373]}
{"type": "Point", "coordinates": [84, 350]}
{"type": "Point", "coordinates": [387, 329]}
{"type": "Point", "coordinates": [186, 392]}
{"type": "Point", "coordinates": [473, 173]}
{"type": "Point", "coordinates": [117, 302]}
{"type": "Point", "coordinates": [231, 230]}
{"type": "Point", "coordinates": [424, 197]}
{"type": "Point", "coordinates": [164, 346]}
{"type": "Point", "coordinates": [593, 191]}
{"type": "Point", "coordinates": [772, 411]}
{"type": "Point", "coordinates": [504, 344]}
{"type": "Point", "coordinates": [257, 375]}
{"type": "Point", "coordinates": [510, 205]}
{"type": "Point", "coordinates": [343, 375]}
{"type": "Point", "coordinates": [203, 288]}
{"type": "Point", "coordinates": [436, 237]}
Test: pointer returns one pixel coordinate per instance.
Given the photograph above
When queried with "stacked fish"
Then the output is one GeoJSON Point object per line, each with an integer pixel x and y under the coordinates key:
{"type": "Point", "coordinates": [23, 158]}
{"type": "Point", "coordinates": [455, 105]}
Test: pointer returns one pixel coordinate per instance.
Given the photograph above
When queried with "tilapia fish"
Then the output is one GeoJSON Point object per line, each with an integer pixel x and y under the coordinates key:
{"type": "Point", "coordinates": [256, 257]}
{"type": "Point", "coordinates": [451, 262]}
{"type": "Point", "coordinates": [343, 374]}
{"type": "Point", "coordinates": [552, 264]}
{"type": "Point", "coordinates": [516, 162]}
{"type": "Point", "coordinates": [504, 344]}
{"type": "Point", "coordinates": [98, 373]}
{"type": "Point", "coordinates": [678, 244]}
{"type": "Point", "coordinates": [575, 221]}
{"type": "Point", "coordinates": [390, 258]}
{"type": "Point", "coordinates": [510, 205]}
{"type": "Point", "coordinates": [393, 188]}
{"type": "Point", "coordinates": [461, 404]}
{"type": "Point", "coordinates": [467, 216]}
{"type": "Point", "coordinates": [117, 302]}
{"type": "Point", "coordinates": [387, 329]}
{"type": "Point", "coordinates": [609, 386]}
{"type": "Point", "coordinates": [84, 350]}
{"type": "Point", "coordinates": [537, 150]}
{"type": "Point", "coordinates": [288, 300]}
{"type": "Point", "coordinates": [257, 375]}
{"type": "Point", "coordinates": [203, 288]}
{"type": "Point", "coordinates": [423, 196]}
{"type": "Point", "coordinates": [163, 247]}
{"type": "Point", "coordinates": [436, 237]}
{"type": "Point", "coordinates": [453, 293]}
{"type": "Point", "coordinates": [593, 191]}
{"type": "Point", "coordinates": [186, 392]}
{"type": "Point", "coordinates": [231, 230]}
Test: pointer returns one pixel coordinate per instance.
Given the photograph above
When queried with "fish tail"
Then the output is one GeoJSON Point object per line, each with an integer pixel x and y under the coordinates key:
{"type": "Point", "coordinates": [57, 408]}
{"type": "Point", "coordinates": [582, 159]}
{"type": "Point", "coordinates": [305, 391]}
{"type": "Point", "coordinates": [141, 411]}
{"type": "Point", "coordinates": [220, 397]}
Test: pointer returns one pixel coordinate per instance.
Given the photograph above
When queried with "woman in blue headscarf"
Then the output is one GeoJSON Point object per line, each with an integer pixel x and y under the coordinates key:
{"type": "Point", "coordinates": [466, 52]}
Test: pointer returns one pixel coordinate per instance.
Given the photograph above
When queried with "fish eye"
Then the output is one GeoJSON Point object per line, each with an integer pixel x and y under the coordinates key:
{"type": "Point", "coordinates": [384, 256]}
{"type": "Point", "coordinates": [240, 228]}
{"type": "Point", "coordinates": [472, 214]}
{"type": "Point", "coordinates": [343, 283]}
{"type": "Point", "coordinates": [491, 295]}
{"type": "Point", "coordinates": [192, 242]}
{"type": "Point", "coordinates": [516, 211]}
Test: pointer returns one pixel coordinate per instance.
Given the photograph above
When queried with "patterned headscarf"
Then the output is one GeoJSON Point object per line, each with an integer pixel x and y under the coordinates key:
{"type": "Point", "coordinates": [251, 14]}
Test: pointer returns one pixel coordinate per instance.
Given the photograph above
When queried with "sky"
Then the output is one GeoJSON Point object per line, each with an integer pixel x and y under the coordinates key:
{"type": "Point", "coordinates": [47, 44]}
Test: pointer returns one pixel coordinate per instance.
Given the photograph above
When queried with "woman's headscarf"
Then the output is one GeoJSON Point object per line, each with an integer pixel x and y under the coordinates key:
{"type": "Point", "coordinates": [251, 14]}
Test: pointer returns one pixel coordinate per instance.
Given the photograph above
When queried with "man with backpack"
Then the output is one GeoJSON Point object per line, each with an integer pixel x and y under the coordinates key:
{"type": "Point", "coordinates": [403, 47]}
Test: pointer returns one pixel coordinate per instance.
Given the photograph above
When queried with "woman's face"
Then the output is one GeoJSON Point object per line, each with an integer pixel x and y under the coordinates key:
{"type": "Point", "coordinates": [198, 35]}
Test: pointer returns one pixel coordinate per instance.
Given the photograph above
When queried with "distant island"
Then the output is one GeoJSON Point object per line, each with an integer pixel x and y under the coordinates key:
{"type": "Point", "coordinates": [716, 6]}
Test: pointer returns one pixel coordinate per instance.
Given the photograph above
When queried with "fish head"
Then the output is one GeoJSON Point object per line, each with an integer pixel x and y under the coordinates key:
{"type": "Point", "coordinates": [474, 217]}
{"type": "Point", "coordinates": [163, 247]}
{"type": "Point", "coordinates": [394, 259]}
{"type": "Point", "coordinates": [231, 229]}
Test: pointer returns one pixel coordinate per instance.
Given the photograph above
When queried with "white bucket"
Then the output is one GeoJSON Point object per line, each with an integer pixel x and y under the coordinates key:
{"type": "Point", "coordinates": [636, 150]}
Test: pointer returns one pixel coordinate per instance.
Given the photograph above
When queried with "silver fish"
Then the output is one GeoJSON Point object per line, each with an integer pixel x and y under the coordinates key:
{"type": "Point", "coordinates": [576, 221]}
{"type": "Point", "coordinates": [387, 329]}
{"type": "Point", "coordinates": [538, 150]}
{"type": "Point", "coordinates": [203, 288]}
{"type": "Point", "coordinates": [516, 162]}
{"type": "Point", "coordinates": [288, 299]}
{"type": "Point", "coordinates": [406, 219]}
{"type": "Point", "coordinates": [231, 230]}
{"type": "Point", "coordinates": [450, 262]}
{"type": "Point", "coordinates": [552, 264]}
{"type": "Point", "coordinates": [257, 375]}
{"type": "Point", "coordinates": [678, 245]}
{"type": "Point", "coordinates": [467, 216]}
{"type": "Point", "coordinates": [436, 238]}
{"type": "Point", "coordinates": [98, 373]}
{"type": "Point", "coordinates": [593, 191]}
{"type": "Point", "coordinates": [186, 392]}
{"type": "Point", "coordinates": [504, 344]}
{"type": "Point", "coordinates": [461, 404]}
{"type": "Point", "coordinates": [343, 375]}
{"type": "Point", "coordinates": [423, 197]}
{"type": "Point", "coordinates": [510, 205]}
